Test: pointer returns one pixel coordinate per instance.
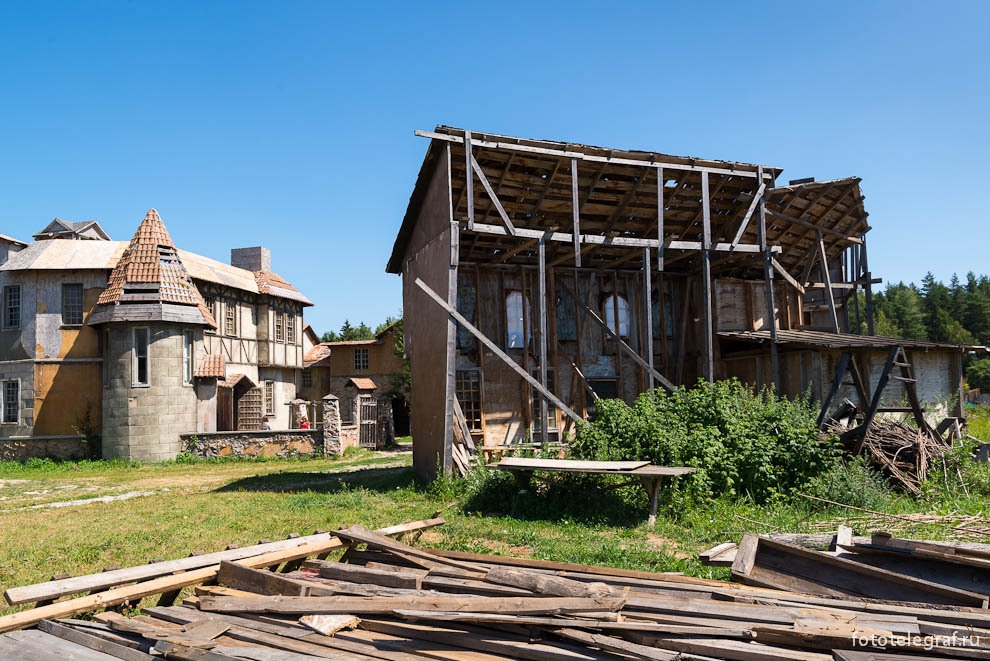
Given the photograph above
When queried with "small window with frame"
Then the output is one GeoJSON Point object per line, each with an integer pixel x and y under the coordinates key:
{"type": "Point", "coordinates": [11, 401]}
{"type": "Point", "coordinates": [361, 361]}
{"type": "Point", "coordinates": [72, 304]}
{"type": "Point", "coordinates": [279, 327]}
{"type": "Point", "coordinates": [12, 306]}
{"type": "Point", "coordinates": [230, 318]}
{"type": "Point", "coordinates": [141, 362]}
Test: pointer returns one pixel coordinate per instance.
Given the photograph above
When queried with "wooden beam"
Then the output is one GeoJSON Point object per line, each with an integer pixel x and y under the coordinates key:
{"type": "Point", "coordinates": [811, 225]}
{"type": "Point", "coordinates": [492, 196]}
{"type": "Point", "coordinates": [468, 177]}
{"type": "Point", "coordinates": [542, 306]}
{"type": "Point", "coordinates": [778, 267]}
{"type": "Point", "coordinates": [494, 348]}
{"type": "Point", "coordinates": [768, 262]}
{"type": "Point", "coordinates": [706, 281]}
{"type": "Point", "coordinates": [615, 241]}
{"type": "Point", "coordinates": [827, 277]}
{"type": "Point", "coordinates": [648, 309]}
{"type": "Point", "coordinates": [135, 592]}
{"type": "Point", "coordinates": [581, 156]}
{"type": "Point", "coordinates": [757, 199]}
{"type": "Point", "coordinates": [576, 213]}
{"type": "Point", "coordinates": [660, 185]}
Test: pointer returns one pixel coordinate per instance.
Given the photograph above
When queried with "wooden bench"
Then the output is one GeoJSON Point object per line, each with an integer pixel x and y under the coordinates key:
{"type": "Point", "coordinates": [642, 472]}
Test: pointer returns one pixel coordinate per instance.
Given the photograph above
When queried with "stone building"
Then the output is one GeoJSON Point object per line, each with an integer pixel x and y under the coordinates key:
{"type": "Point", "coordinates": [139, 342]}
{"type": "Point", "coordinates": [361, 375]}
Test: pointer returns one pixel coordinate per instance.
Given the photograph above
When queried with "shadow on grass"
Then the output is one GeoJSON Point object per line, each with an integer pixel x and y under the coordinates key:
{"type": "Point", "coordinates": [373, 479]}
{"type": "Point", "coordinates": [585, 499]}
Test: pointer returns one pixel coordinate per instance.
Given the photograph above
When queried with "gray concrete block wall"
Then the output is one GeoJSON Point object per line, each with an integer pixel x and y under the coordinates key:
{"type": "Point", "coordinates": [144, 422]}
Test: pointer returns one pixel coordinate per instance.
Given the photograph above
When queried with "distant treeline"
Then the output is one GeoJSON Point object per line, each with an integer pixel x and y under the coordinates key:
{"type": "Point", "coordinates": [958, 313]}
{"type": "Point", "coordinates": [349, 332]}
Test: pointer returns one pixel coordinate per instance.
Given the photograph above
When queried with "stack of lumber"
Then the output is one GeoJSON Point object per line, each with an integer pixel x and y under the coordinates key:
{"type": "Point", "coordinates": [388, 600]}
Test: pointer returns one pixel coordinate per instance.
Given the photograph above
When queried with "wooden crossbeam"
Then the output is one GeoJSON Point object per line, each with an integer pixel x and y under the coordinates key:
{"type": "Point", "coordinates": [495, 349]}
{"type": "Point", "coordinates": [786, 276]}
{"type": "Point", "coordinates": [749, 214]}
{"type": "Point", "coordinates": [491, 195]}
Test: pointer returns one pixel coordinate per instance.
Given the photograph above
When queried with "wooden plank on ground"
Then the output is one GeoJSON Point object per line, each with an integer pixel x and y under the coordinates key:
{"type": "Point", "coordinates": [373, 605]}
{"type": "Point", "coordinates": [134, 592]}
{"type": "Point", "coordinates": [93, 642]}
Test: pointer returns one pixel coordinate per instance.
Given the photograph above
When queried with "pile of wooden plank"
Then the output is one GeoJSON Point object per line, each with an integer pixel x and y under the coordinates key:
{"type": "Point", "coordinates": [384, 599]}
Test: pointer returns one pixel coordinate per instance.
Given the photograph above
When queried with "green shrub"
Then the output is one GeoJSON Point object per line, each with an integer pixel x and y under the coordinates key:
{"type": "Point", "coordinates": [742, 442]}
{"type": "Point", "coordinates": [853, 482]}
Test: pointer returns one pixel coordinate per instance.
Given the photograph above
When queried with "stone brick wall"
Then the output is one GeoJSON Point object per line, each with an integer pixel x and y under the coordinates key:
{"type": "Point", "coordinates": [53, 447]}
{"type": "Point", "coordinates": [268, 443]}
{"type": "Point", "coordinates": [144, 423]}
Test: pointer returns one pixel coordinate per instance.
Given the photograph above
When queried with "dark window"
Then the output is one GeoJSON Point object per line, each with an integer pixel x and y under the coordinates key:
{"type": "Point", "coordinates": [307, 379]}
{"type": "Point", "coordinates": [140, 368]}
{"type": "Point", "coordinates": [12, 307]}
{"type": "Point", "coordinates": [360, 359]}
{"type": "Point", "coordinates": [605, 389]}
{"type": "Point", "coordinates": [467, 305]}
{"type": "Point", "coordinates": [566, 316]}
{"type": "Point", "coordinates": [72, 304]}
{"type": "Point", "coordinates": [469, 397]}
{"type": "Point", "coordinates": [188, 356]}
{"type": "Point", "coordinates": [347, 411]}
{"type": "Point", "coordinates": [11, 401]}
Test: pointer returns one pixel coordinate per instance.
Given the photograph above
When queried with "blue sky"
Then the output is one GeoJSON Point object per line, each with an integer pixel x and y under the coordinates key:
{"type": "Point", "coordinates": [291, 124]}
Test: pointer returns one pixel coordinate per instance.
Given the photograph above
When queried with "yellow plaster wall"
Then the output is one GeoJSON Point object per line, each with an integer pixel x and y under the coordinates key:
{"type": "Point", "coordinates": [71, 388]}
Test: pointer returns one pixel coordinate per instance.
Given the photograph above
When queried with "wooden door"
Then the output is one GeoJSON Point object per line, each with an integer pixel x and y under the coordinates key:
{"type": "Point", "coordinates": [368, 411]}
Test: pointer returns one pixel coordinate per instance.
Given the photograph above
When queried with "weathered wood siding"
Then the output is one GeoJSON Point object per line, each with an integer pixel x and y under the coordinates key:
{"type": "Point", "coordinates": [429, 332]}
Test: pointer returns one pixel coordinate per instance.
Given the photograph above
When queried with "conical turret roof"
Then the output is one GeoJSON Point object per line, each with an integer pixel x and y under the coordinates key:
{"type": "Point", "coordinates": [149, 274]}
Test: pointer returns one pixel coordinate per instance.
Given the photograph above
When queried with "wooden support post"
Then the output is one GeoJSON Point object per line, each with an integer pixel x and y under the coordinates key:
{"type": "Point", "coordinates": [576, 206]}
{"type": "Point", "coordinates": [647, 342]}
{"type": "Point", "coordinates": [495, 349]}
{"type": "Point", "coordinates": [468, 177]}
{"type": "Point", "coordinates": [868, 288]}
{"type": "Point", "coordinates": [757, 201]}
{"type": "Point", "coordinates": [877, 394]}
{"type": "Point", "coordinates": [768, 264]}
{"type": "Point", "coordinates": [706, 281]}
{"type": "Point", "coordinates": [542, 295]}
{"type": "Point", "coordinates": [827, 279]}
{"type": "Point", "coordinates": [660, 185]}
{"type": "Point", "coordinates": [840, 372]}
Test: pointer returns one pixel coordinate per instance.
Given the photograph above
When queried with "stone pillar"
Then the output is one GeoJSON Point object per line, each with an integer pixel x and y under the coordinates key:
{"type": "Point", "coordinates": [386, 424]}
{"type": "Point", "coordinates": [331, 426]}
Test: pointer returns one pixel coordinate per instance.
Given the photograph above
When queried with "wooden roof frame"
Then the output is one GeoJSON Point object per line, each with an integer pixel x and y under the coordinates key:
{"type": "Point", "coordinates": [591, 205]}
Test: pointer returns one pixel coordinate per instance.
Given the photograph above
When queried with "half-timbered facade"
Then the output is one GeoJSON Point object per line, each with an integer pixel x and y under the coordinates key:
{"type": "Point", "coordinates": [138, 342]}
{"type": "Point", "coordinates": [546, 275]}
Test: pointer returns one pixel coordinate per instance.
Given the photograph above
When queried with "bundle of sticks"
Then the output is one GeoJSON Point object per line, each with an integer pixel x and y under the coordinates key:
{"type": "Point", "coordinates": [902, 452]}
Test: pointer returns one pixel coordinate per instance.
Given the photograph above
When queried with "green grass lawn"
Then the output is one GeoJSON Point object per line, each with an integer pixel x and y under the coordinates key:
{"type": "Point", "coordinates": [174, 508]}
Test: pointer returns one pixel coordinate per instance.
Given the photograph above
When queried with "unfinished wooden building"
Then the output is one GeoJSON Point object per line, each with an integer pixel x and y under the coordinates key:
{"type": "Point", "coordinates": [539, 276]}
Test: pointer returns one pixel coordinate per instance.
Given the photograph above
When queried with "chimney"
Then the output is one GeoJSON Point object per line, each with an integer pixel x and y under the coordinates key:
{"type": "Point", "coordinates": [257, 258]}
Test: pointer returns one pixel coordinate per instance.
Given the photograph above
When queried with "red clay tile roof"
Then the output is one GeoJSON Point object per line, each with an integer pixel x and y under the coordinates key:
{"type": "Point", "coordinates": [276, 285]}
{"type": "Point", "coordinates": [317, 353]}
{"type": "Point", "coordinates": [363, 383]}
{"type": "Point", "coordinates": [150, 271]}
{"type": "Point", "coordinates": [211, 366]}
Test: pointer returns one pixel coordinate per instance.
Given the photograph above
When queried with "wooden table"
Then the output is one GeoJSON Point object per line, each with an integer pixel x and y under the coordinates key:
{"type": "Point", "coordinates": [642, 472]}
